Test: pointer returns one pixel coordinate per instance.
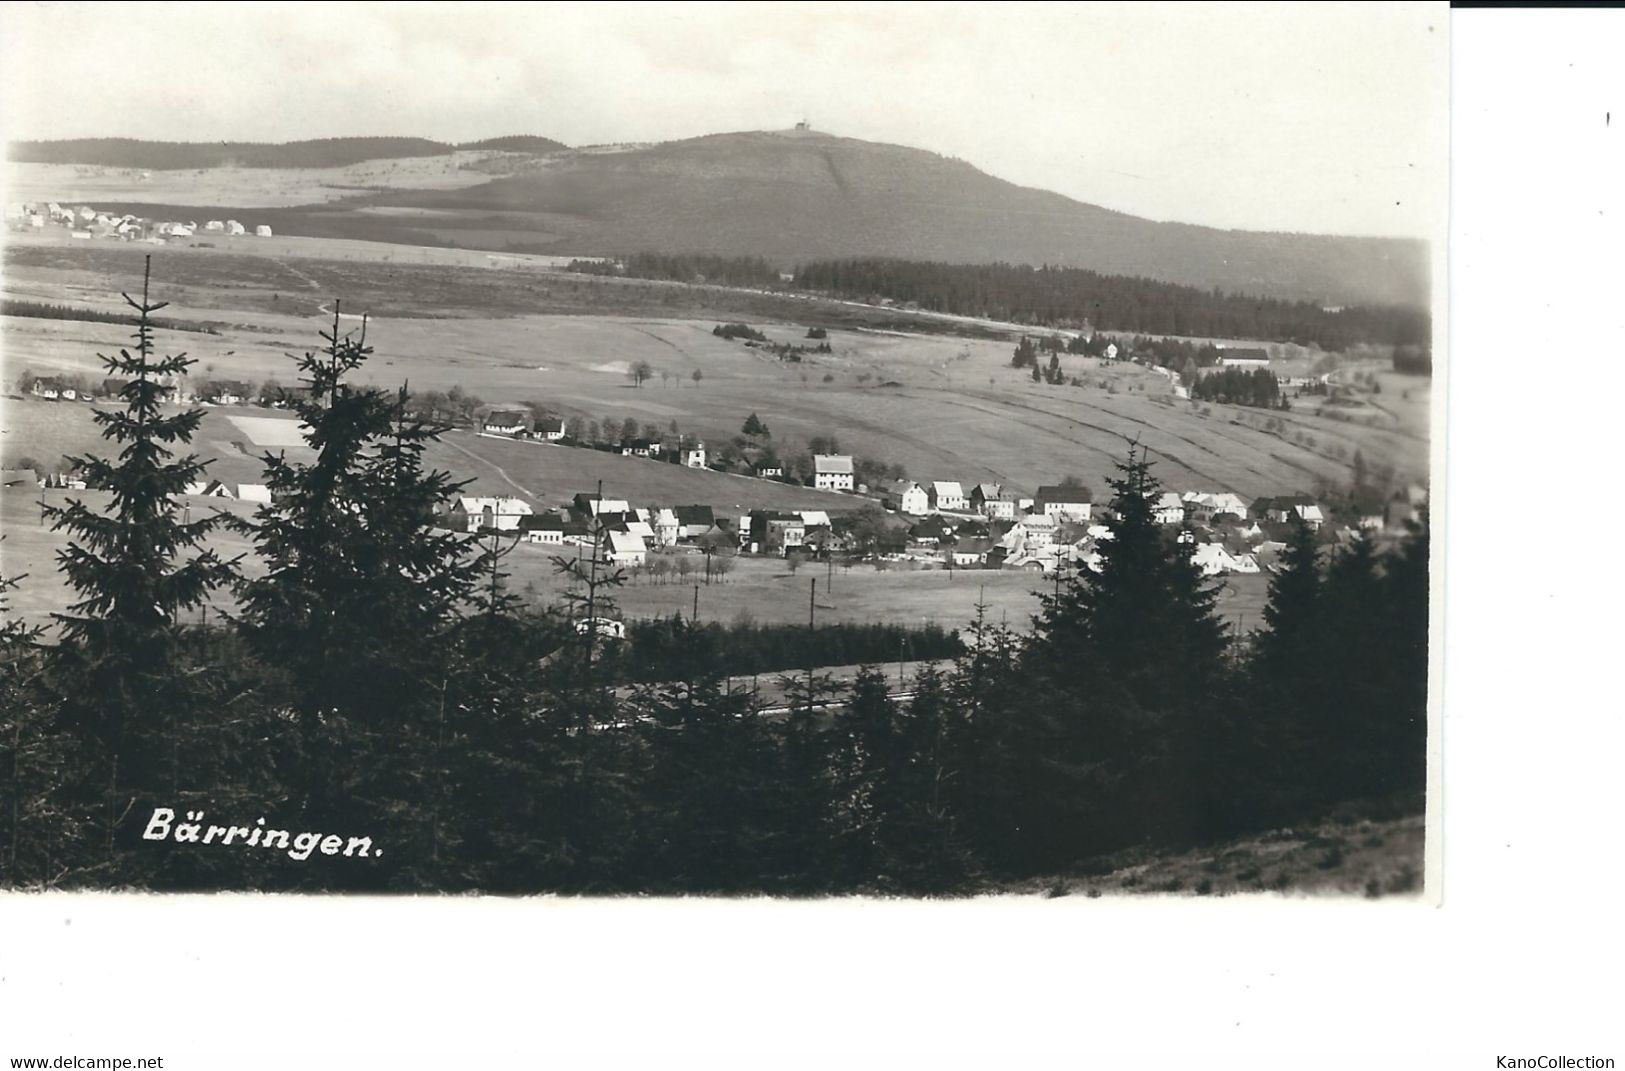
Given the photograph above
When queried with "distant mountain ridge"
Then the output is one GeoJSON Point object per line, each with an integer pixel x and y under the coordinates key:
{"type": "Point", "coordinates": [794, 196]}
{"type": "Point", "coordinates": [790, 197]}
{"type": "Point", "coordinates": [191, 155]}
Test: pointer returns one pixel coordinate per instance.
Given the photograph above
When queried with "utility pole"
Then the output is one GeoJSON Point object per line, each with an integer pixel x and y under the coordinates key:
{"type": "Point", "coordinates": [694, 618]}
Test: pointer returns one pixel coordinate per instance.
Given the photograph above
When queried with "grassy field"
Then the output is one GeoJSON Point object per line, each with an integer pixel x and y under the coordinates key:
{"type": "Point", "coordinates": [1339, 855]}
{"type": "Point", "coordinates": [247, 187]}
{"type": "Point", "coordinates": [944, 407]}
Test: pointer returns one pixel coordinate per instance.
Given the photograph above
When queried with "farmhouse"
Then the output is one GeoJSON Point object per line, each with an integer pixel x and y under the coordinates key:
{"type": "Point", "coordinates": [906, 496]}
{"type": "Point", "coordinates": [640, 448]}
{"type": "Point", "coordinates": [551, 430]}
{"type": "Point", "coordinates": [1243, 357]}
{"type": "Point", "coordinates": [51, 388]}
{"type": "Point", "coordinates": [695, 521]}
{"type": "Point", "coordinates": [1284, 508]}
{"type": "Point", "coordinates": [1062, 503]}
{"type": "Point", "coordinates": [625, 548]}
{"type": "Point", "coordinates": [1169, 509]}
{"type": "Point", "coordinates": [773, 532]}
{"type": "Point", "coordinates": [227, 392]}
{"type": "Point", "coordinates": [773, 471]}
{"type": "Point", "coordinates": [1203, 506]}
{"type": "Point", "coordinates": [968, 553]}
{"type": "Point", "coordinates": [471, 513]}
{"type": "Point", "coordinates": [506, 421]}
{"type": "Point", "coordinates": [948, 495]}
{"type": "Point", "coordinates": [546, 528]}
{"type": "Point", "coordinates": [693, 457]}
{"type": "Point", "coordinates": [666, 528]}
{"type": "Point", "coordinates": [588, 504]}
{"type": "Point", "coordinates": [832, 472]}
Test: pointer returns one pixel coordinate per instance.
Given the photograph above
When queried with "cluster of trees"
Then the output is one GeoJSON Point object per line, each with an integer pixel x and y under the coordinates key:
{"type": "Point", "coordinates": [733, 331]}
{"type": "Point", "coordinates": [1240, 386]}
{"type": "Point", "coordinates": [40, 310]}
{"type": "Point", "coordinates": [377, 680]}
{"type": "Point", "coordinates": [1073, 297]}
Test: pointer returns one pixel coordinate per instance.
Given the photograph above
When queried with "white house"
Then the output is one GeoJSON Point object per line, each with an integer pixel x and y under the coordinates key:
{"type": "Point", "coordinates": [504, 422]}
{"type": "Point", "coordinates": [470, 513]}
{"type": "Point", "coordinates": [949, 496]}
{"type": "Point", "coordinates": [254, 492]}
{"type": "Point", "coordinates": [1213, 559]}
{"type": "Point", "coordinates": [1203, 506]}
{"type": "Point", "coordinates": [666, 527]}
{"type": "Point", "coordinates": [1170, 509]}
{"type": "Point", "coordinates": [262, 231]}
{"type": "Point", "coordinates": [832, 472]}
{"type": "Point", "coordinates": [906, 496]}
{"type": "Point", "coordinates": [1063, 503]}
{"type": "Point", "coordinates": [693, 457]}
{"type": "Point", "coordinates": [626, 548]}
{"type": "Point", "coordinates": [1034, 531]}
{"type": "Point", "coordinates": [551, 430]}
{"type": "Point", "coordinates": [547, 529]}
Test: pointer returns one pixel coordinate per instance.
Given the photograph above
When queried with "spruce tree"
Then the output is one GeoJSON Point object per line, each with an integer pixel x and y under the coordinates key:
{"type": "Point", "coordinates": [358, 592]}
{"type": "Point", "coordinates": [137, 566]}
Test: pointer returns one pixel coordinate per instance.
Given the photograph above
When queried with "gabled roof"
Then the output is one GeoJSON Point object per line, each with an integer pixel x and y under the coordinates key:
{"type": "Point", "coordinates": [947, 489]}
{"type": "Point", "coordinates": [832, 464]}
{"type": "Point", "coordinates": [506, 416]}
{"type": "Point", "coordinates": [539, 521]}
{"type": "Point", "coordinates": [694, 515]}
{"type": "Point", "coordinates": [625, 543]}
{"type": "Point", "coordinates": [985, 491]}
{"type": "Point", "coordinates": [1054, 492]}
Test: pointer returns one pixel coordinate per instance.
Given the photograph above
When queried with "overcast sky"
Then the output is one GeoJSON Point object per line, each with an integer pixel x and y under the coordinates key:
{"type": "Point", "coordinates": [1324, 118]}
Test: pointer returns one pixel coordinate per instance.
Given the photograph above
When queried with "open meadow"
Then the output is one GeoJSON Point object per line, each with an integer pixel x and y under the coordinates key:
{"type": "Point", "coordinates": [944, 407]}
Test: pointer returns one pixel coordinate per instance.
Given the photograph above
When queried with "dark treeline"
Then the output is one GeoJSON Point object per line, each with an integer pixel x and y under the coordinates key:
{"type": "Point", "coordinates": [1072, 297]}
{"type": "Point", "coordinates": [378, 713]}
{"type": "Point", "coordinates": [1414, 360]}
{"type": "Point", "coordinates": [41, 311]}
{"type": "Point", "coordinates": [1238, 386]}
{"type": "Point", "coordinates": [672, 649]}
